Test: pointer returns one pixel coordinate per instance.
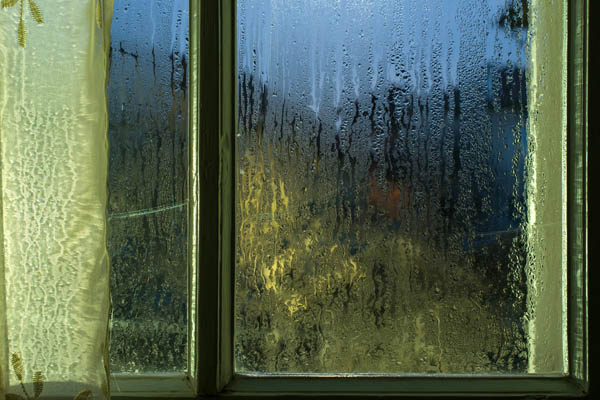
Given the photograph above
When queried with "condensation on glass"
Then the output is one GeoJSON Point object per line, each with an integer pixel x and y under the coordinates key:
{"type": "Point", "coordinates": [147, 242]}
{"type": "Point", "coordinates": [381, 190]}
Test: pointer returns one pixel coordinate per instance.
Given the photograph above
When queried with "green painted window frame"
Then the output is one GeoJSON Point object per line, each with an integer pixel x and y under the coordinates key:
{"type": "Point", "coordinates": [212, 245]}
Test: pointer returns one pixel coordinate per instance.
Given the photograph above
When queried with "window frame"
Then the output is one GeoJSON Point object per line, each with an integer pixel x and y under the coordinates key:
{"type": "Point", "coordinates": [212, 125]}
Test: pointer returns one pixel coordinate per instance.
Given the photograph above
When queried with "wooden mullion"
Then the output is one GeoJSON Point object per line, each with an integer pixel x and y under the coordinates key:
{"type": "Point", "coordinates": [208, 176]}
{"type": "Point", "coordinates": [216, 109]}
{"type": "Point", "coordinates": [228, 72]}
{"type": "Point", "coordinates": [577, 190]}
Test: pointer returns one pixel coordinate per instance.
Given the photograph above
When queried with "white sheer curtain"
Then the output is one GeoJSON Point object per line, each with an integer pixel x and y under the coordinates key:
{"type": "Point", "coordinates": [54, 275]}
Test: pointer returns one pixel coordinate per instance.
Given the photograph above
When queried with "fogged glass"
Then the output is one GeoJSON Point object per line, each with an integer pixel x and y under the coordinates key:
{"type": "Point", "coordinates": [147, 95]}
{"type": "Point", "coordinates": [381, 208]}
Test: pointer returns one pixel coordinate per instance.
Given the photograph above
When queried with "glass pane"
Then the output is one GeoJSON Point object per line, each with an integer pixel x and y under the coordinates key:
{"type": "Point", "coordinates": [382, 204]}
{"type": "Point", "coordinates": [147, 185]}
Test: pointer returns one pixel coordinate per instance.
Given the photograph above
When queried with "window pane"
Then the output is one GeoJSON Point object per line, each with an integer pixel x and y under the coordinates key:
{"type": "Point", "coordinates": [147, 185]}
{"type": "Point", "coordinates": [382, 204]}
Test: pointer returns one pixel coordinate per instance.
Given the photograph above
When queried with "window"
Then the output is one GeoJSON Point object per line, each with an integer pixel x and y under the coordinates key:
{"type": "Point", "coordinates": [147, 241]}
{"type": "Point", "coordinates": [148, 198]}
{"type": "Point", "coordinates": [383, 207]}
{"type": "Point", "coordinates": [216, 221]}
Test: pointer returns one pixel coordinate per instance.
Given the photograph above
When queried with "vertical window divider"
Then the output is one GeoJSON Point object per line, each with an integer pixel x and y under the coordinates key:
{"type": "Point", "coordinates": [213, 44]}
{"type": "Point", "coordinates": [228, 119]}
{"type": "Point", "coordinates": [577, 196]}
{"type": "Point", "coordinates": [193, 195]}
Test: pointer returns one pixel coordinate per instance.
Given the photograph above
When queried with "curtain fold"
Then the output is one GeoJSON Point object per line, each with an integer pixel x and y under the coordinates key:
{"type": "Point", "coordinates": [54, 273]}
